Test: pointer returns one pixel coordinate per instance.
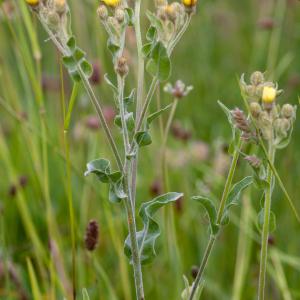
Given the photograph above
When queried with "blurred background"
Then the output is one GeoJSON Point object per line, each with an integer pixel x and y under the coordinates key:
{"type": "Point", "coordinates": [225, 39]}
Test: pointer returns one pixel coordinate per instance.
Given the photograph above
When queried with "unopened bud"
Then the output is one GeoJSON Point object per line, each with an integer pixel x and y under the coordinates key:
{"type": "Point", "coordinates": [60, 6]}
{"type": "Point", "coordinates": [53, 19]}
{"type": "Point", "coordinates": [102, 12]}
{"type": "Point", "coordinates": [287, 111]}
{"type": "Point", "coordinates": [257, 78]}
{"type": "Point", "coordinates": [255, 109]}
{"type": "Point", "coordinates": [170, 12]}
{"type": "Point", "coordinates": [120, 15]}
{"type": "Point", "coordinates": [190, 5]}
{"type": "Point", "coordinates": [122, 66]}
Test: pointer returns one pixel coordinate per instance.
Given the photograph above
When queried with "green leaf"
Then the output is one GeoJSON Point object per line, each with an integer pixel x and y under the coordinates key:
{"type": "Point", "coordinates": [69, 62]}
{"type": "Point", "coordinates": [85, 295]}
{"type": "Point", "coordinates": [143, 138]}
{"type": "Point", "coordinates": [230, 119]}
{"type": "Point", "coordinates": [109, 82]}
{"type": "Point", "coordinates": [78, 55]}
{"type": "Point", "coordinates": [234, 197]}
{"type": "Point", "coordinates": [272, 221]}
{"type": "Point", "coordinates": [159, 65]}
{"type": "Point", "coordinates": [155, 21]}
{"type": "Point", "coordinates": [102, 169]}
{"type": "Point", "coordinates": [129, 99]}
{"type": "Point", "coordinates": [235, 192]}
{"type": "Point", "coordinates": [156, 114]}
{"type": "Point", "coordinates": [129, 119]}
{"type": "Point", "coordinates": [147, 49]}
{"type": "Point", "coordinates": [86, 68]}
{"type": "Point", "coordinates": [129, 16]}
{"type": "Point", "coordinates": [211, 212]}
{"type": "Point", "coordinates": [151, 34]}
{"type": "Point", "coordinates": [285, 141]}
{"type": "Point", "coordinates": [112, 47]}
{"type": "Point", "coordinates": [147, 237]}
{"type": "Point", "coordinates": [71, 43]}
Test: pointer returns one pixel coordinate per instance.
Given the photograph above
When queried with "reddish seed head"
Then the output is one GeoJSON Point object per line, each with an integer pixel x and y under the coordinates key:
{"type": "Point", "coordinates": [91, 235]}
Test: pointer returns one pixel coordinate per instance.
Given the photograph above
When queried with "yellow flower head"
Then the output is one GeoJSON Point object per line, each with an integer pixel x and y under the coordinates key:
{"type": "Point", "coordinates": [32, 2]}
{"type": "Point", "coordinates": [189, 3]}
{"type": "Point", "coordinates": [112, 3]}
{"type": "Point", "coordinates": [269, 94]}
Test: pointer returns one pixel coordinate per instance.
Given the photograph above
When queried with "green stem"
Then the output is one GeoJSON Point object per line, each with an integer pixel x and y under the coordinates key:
{"type": "Point", "coordinates": [265, 231]}
{"type": "Point", "coordinates": [222, 205]}
{"type": "Point", "coordinates": [136, 261]}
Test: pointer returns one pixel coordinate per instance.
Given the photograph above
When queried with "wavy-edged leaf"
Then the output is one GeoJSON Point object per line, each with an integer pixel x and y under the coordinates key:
{"type": "Point", "coordinates": [129, 119]}
{"type": "Point", "coordinates": [234, 196]}
{"type": "Point", "coordinates": [147, 237]}
{"type": "Point", "coordinates": [211, 212]}
{"type": "Point", "coordinates": [102, 169]}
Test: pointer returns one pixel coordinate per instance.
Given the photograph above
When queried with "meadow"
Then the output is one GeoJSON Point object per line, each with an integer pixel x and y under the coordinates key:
{"type": "Point", "coordinates": [49, 131]}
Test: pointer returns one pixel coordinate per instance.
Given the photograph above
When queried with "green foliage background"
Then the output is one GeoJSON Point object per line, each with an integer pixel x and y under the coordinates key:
{"type": "Point", "coordinates": [225, 39]}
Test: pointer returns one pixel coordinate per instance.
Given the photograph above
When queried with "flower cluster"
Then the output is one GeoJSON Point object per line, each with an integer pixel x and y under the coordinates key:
{"type": "Point", "coordinates": [274, 122]}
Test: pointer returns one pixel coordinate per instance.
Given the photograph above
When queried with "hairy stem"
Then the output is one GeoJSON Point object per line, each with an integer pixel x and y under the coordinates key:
{"type": "Point", "coordinates": [266, 225]}
{"type": "Point", "coordinates": [223, 201]}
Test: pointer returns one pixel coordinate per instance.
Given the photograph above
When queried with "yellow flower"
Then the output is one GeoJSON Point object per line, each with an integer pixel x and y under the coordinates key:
{"type": "Point", "coordinates": [32, 2]}
{"type": "Point", "coordinates": [112, 3]}
{"type": "Point", "coordinates": [189, 3]}
{"type": "Point", "coordinates": [269, 94]}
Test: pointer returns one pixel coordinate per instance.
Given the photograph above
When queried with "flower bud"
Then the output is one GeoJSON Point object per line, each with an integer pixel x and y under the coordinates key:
{"type": "Point", "coordinates": [60, 6]}
{"type": "Point", "coordinates": [170, 12]}
{"type": "Point", "coordinates": [122, 66]}
{"type": "Point", "coordinates": [269, 94]}
{"type": "Point", "coordinates": [287, 111]}
{"type": "Point", "coordinates": [255, 109]}
{"type": "Point", "coordinates": [282, 126]}
{"type": "Point", "coordinates": [53, 19]}
{"type": "Point", "coordinates": [189, 3]}
{"type": "Point", "coordinates": [33, 3]}
{"type": "Point", "coordinates": [120, 15]}
{"type": "Point", "coordinates": [257, 78]}
{"type": "Point", "coordinates": [112, 3]}
{"type": "Point", "coordinates": [102, 12]}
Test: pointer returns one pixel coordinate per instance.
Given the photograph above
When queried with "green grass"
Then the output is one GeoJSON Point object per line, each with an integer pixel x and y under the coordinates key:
{"type": "Point", "coordinates": [223, 41]}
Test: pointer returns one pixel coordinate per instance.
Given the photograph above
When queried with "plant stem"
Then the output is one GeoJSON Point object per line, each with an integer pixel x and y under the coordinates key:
{"type": "Point", "coordinates": [212, 238]}
{"type": "Point", "coordinates": [265, 231]}
{"type": "Point", "coordinates": [136, 261]}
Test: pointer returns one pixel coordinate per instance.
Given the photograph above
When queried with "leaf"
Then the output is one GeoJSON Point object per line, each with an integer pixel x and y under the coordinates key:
{"type": "Point", "coordinates": [185, 295]}
{"type": "Point", "coordinates": [71, 43]}
{"type": "Point", "coordinates": [86, 68]}
{"type": "Point", "coordinates": [147, 49]}
{"type": "Point", "coordinates": [129, 99]}
{"type": "Point", "coordinates": [112, 47]}
{"type": "Point", "coordinates": [85, 295]}
{"type": "Point", "coordinates": [129, 16]}
{"type": "Point", "coordinates": [159, 65]}
{"type": "Point", "coordinates": [230, 119]}
{"type": "Point", "coordinates": [147, 237]}
{"type": "Point", "coordinates": [151, 34]}
{"type": "Point", "coordinates": [272, 221]}
{"type": "Point", "coordinates": [143, 138]}
{"type": "Point", "coordinates": [156, 114]}
{"type": "Point", "coordinates": [155, 21]}
{"type": "Point", "coordinates": [235, 192]}
{"type": "Point", "coordinates": [234, 197]}
{"type": "Point", "coordinates": [285, 141]}
{"type": "Point", "coordinates": [129, 119]}
{"type": "Point", "coordinates": [101, 168]}
{"type": "Point", "coordinates": [211, 212]}
{"type": "Point", "coordinates": [109, 82]}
